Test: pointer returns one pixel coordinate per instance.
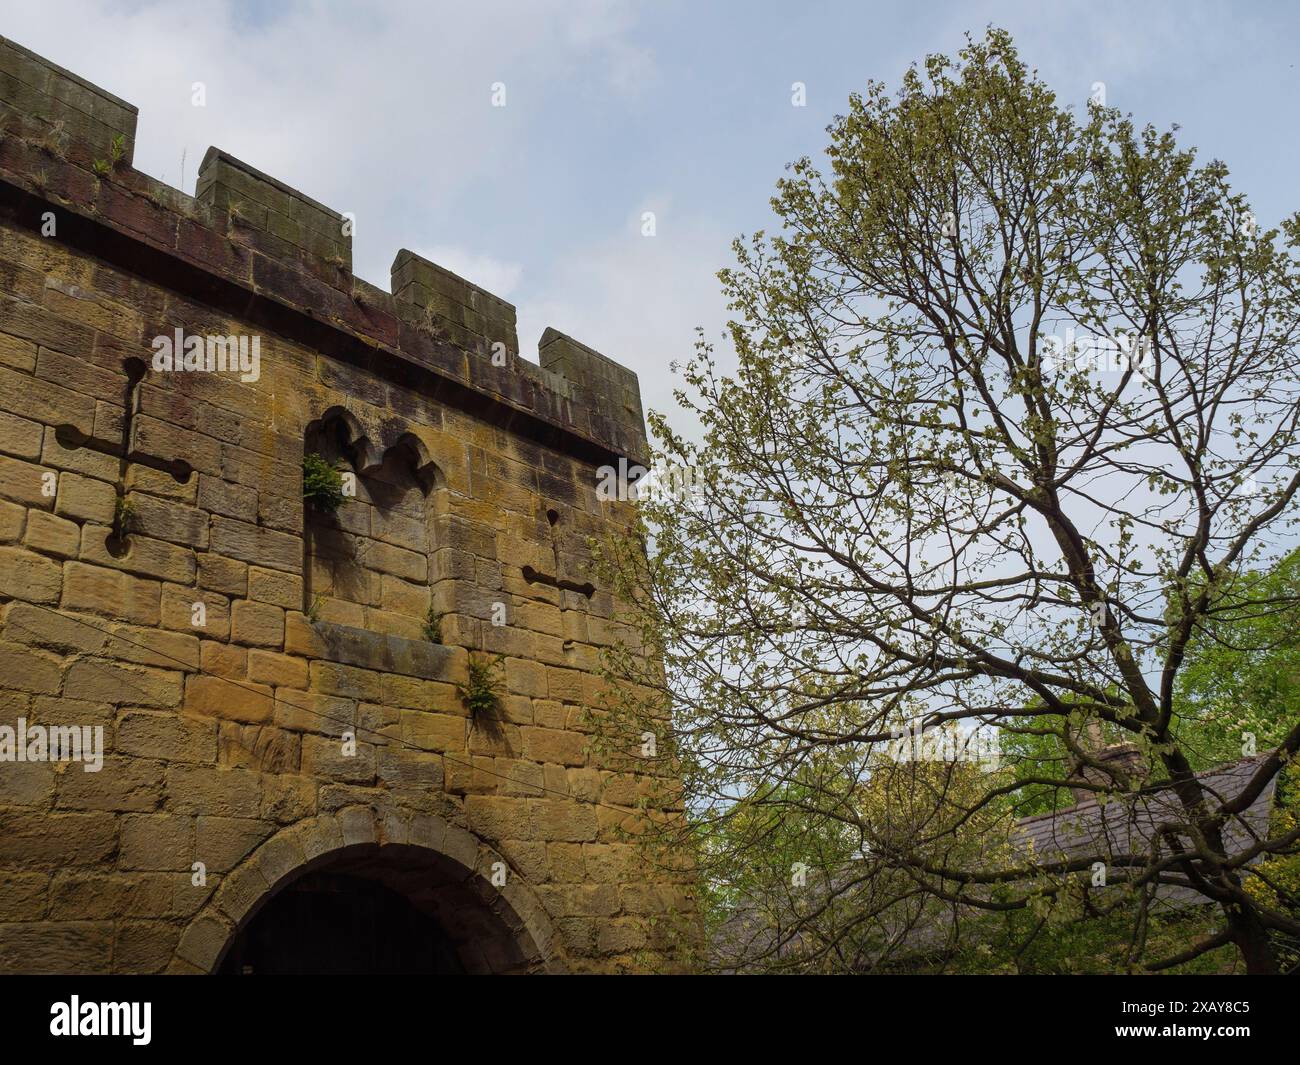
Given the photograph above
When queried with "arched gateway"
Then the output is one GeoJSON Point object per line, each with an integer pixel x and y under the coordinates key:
{"type": "Point", "coordinates": [362, 892]}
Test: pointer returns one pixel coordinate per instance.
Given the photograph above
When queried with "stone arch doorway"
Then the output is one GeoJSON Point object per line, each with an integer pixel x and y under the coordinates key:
{"type": "Point", "coordinates": [371, 910]}
{"type": "Point", "coordinates": [370, 907]}
{"type": "Point", "coordinates": [338, 924]}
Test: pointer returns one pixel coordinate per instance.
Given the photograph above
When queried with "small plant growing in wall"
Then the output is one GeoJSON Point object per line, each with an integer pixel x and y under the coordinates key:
{"type": "Point", "coordinates": [480, 696]}
{"type": "Point", "coordinates": [433, 625]}
{"type": "Point", "coordinates": [55, 141]}
{"type": "Point", "coordinates": [313, 608]}
{"type": "Point", "coordinates": [123, 517]}
{"type": "Point", "coordinates": [322, 484]}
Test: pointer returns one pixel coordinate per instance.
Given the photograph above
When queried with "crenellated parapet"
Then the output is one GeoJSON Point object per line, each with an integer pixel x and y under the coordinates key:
{"type": "Point", "coordinates": [254, 200]}
{"type": "Point", "coordinates": [63, 108]}
{"type": "Point", "coordinates": [251, 244]}
{"type": "Point", "coordinates": [469, 316]}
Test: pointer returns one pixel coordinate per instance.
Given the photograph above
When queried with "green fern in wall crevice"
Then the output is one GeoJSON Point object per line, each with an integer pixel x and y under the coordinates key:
{"type": "Point", "coordinates": [322, 484]}
{"type": "Point", "coordinates": [481, 696]}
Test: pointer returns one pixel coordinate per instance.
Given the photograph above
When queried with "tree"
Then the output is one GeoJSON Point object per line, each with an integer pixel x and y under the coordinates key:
{"type": "Point", "coordinates": [1014, 415]}
{"type": "Point", "coordinates": [1241, 676]}
{"type": "Point", "coordinates": [1240, 680]}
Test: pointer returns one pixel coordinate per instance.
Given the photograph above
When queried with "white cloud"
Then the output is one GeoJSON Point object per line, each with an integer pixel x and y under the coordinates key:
{"type": "Point", "coordinates": [383, 112]}
{"type": "Point", "coordinates": [637, 299]}
{"type": "Point", "coordinates": [388, 115]}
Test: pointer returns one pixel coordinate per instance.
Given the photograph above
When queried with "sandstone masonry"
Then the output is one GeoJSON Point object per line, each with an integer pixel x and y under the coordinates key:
{"type": "Point", "coordinates": [277, 686]}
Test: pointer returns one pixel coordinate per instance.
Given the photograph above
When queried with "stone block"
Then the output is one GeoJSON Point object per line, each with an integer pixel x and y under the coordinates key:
{"type": "Point", "coordinates": [257, 624]}
{"type": "Point", "coordinates": [229, 700]}
{"type": "Point", "coordinates": [29, 576]}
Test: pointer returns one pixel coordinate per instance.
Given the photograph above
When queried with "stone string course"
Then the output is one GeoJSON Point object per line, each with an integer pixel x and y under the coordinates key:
{"type": "Point", "coordinates": [223, 739]}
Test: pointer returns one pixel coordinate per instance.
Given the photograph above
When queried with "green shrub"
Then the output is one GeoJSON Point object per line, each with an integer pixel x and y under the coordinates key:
{"type": "Point", "coordinates": [480, 695]}
{"type": "Point", "coordinates": [322, 484]}
{"type": "Point", "coordinates": [433, 625]}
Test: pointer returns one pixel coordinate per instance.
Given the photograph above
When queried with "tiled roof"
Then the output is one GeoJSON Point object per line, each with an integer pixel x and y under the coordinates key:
{"type": "Point", "coordinates": [1130, 825]}
{"type": "Point", "coordinates": [1126, 825]}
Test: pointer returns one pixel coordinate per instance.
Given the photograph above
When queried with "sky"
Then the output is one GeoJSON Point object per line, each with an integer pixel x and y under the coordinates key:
{"type": "Point", "coordinates": [615, 108]}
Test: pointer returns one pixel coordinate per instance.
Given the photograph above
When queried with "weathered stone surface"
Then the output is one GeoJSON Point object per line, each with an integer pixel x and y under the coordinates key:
{"type": "Point", "coordinates": [100, 680]}
{"type": "Point", "coordinates": [25, 575]}
{"type": "Point", "coordinates": [52, 947]}
{"type": "Point", "coordinates": [223, 660]}
{"type": "Point", "coordinates": [27, 784]}
{"type": "Point", "coordinates": [12, 520]}
{"type": "Point", "coordinates": [229, 699]}
{"type": "Point", "coordinates": [554, 745]}
{"type": "Point", "coordinates": [227, 499]}
{"type": "Point", "coordinates": [147, 557]}
{"type": "Point", "coordinates": [241, 891]}
{"type": "Point", "coordinates": [150, 647]}
{"type": "Point", "coordinates": [560, 820]}
{"type": "Point", "coordinates": [219, 792]}
{"type": "Point", "coordinates": [257, 624]}
{"type": "Point", "coordinates": [79, 895]}
{"type": "Point", "coordinates": [156, 841]}
{"type": "Point", "coordinates": [166, 520]}
{"type": "Point", "coordinates": [526, 678]}
{"type": "Point", "coordinates": [121, 784]}
{"type": "Point", "coordinates": [187, 609]}
{"type": "Point", "coordinates": [222, 842]}
{"type": "Point", "coordinates": [22, 896]}
{"type": "Point", "coordinates": [42, 626]}
{"type": "Point", "coordinates": [388, 654]}
{"type": "Point", "coordinates": [97, 590]}
{"type": "Point", "coordinates": [226, 575]}
{"type": "Point", "coordinates": [357, 825]}
{"type": "Point", "coordinates": [338, 759]}
{"type": "Point", "coordinates": [52, 535]}
{"type": "Point", "coordinates": [84, 499]}
{"type": "Point", "coordinates": [20, 437]}
{"type": "Point", "coordinates": [498, 818]}
{"type": "Point", "coordinates": [288, 798]}
{"type": "Point", "coordinates": [144, 946]}
{"type": "Point", "coordinates": [39, 840]}
{"type": "Point", "coordinates": [25, 670]}
{"type": "Point", "coordinates": [267, 667]}
{"type": "Point", "coordinates": [275, 587]}
{"type": "Point", "coordinates": [202, 941]}
{"type": "Point", "coordinates": [347, 681]}
{"type": "Point", "coordinates": [249, 543]}
{"type": "Point", "coordinates": [280, 685]}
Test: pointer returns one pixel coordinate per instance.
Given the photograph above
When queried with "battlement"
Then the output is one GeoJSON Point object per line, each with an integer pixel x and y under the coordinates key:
{"type": "Point", "coordinates": [64, 105]}
{"type": "Point", "coordinates": [249, 243]}
{"type": "Point", "coordinates": [258, 201]}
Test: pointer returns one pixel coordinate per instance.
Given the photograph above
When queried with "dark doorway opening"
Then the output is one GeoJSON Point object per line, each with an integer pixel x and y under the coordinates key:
{"type": "Point", "coordinates": [329, 923]}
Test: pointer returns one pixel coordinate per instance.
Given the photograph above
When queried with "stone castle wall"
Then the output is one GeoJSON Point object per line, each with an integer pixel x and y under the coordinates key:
{"type": "Point", "coordinates": [161, 578]}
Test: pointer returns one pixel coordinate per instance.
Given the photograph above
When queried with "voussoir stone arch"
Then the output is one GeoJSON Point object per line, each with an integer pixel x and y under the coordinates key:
{"type": "Point", "coordinates": [352, 435]}
{"type": "Point", "coordinates": [523, 937]}
{"type": "Point", "coordinates": [421, 459]}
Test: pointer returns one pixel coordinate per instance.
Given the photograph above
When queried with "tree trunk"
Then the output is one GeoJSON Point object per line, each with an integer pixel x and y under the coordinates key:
{"type": "Point", "coordinates": [1251, 938]}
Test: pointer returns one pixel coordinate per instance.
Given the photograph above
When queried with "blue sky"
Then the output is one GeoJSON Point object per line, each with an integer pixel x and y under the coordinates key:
{"type": "Point", "coordinates": [617, 108]}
